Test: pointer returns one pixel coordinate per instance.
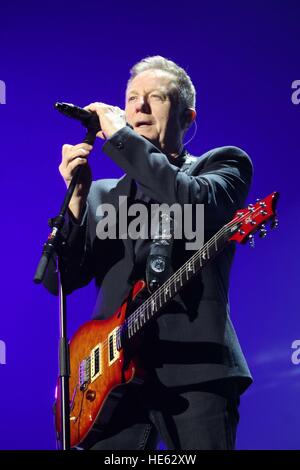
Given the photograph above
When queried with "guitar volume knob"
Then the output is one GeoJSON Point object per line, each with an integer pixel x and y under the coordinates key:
{"type": "Point", "coordinates": [90, 395]}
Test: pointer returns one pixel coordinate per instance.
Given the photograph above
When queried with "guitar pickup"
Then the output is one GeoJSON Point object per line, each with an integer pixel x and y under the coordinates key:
{"type": "Point", "coordinates": [113, 342]}
{"type": "Point", "coordinates": [96, 362]}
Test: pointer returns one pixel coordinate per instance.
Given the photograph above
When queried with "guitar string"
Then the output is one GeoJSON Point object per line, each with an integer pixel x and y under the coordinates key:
{"type": "Point", "coordinates": [132, 318]}
{"type": "Point", "coordinates": [196, 257]}
{"type": "Point", "coordinates": [156, 294]}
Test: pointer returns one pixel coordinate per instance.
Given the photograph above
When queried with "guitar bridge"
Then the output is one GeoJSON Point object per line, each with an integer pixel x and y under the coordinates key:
{"type": "Point", "coordinates": [91, 367]}
{"type": "Point", "coordinates": [84, 373]}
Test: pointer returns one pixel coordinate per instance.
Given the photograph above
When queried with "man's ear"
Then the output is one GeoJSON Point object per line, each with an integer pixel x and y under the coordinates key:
{"type": "Point", "coordinates": [187, 117]}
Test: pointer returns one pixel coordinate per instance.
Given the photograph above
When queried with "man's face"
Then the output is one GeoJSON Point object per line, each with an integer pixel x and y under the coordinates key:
{"type": "Point", "coordinates": [152, 108]}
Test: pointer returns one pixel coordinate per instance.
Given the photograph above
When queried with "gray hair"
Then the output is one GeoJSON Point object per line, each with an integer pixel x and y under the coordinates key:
{"type": "Point", "coordinates": [185, 87]}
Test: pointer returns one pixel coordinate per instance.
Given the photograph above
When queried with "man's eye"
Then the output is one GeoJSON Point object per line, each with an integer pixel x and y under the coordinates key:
{"type": "Point", "coordinates": [131, 98]}
{"type": "Point", "coordinates": [158, 97]}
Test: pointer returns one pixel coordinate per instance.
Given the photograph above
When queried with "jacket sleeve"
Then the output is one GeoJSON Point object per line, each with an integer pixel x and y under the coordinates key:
{"type": "Point", "coordinates": [77, 266]}
{"type": "Point", "coordinates": [221, 183]}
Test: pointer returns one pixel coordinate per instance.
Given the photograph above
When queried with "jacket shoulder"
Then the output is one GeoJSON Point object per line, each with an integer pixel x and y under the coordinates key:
{"type": "Point", "coordinates": [230, 156]}
{"type": "Point", "coordinates": [228, 152]}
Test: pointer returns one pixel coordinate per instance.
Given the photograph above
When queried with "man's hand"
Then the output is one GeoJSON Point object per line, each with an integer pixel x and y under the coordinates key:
{"type": "Point", "coordinates": [74, 156]}
{"type": "Point", "coordinates": [111, 118]}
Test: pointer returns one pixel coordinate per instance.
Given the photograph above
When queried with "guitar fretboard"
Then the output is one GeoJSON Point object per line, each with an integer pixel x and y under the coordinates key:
{"type": "Point", "coordinates": [146, 311]}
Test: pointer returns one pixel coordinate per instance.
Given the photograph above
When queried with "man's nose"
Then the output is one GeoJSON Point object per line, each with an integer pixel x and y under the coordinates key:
{"type": "Point", "coordinates": [142, 104]}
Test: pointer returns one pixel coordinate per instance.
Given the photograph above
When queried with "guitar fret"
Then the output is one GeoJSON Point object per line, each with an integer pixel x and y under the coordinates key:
{"type": "Point", "coordinates": [142, 318]}
{"type": "Point", "coordinates": [174, 285]}
{"type": "Point", "coordinates": [189, 269]}
{"type": "Point", "coordinates": [216, 244]}
{"type": "Point", "coordinates": [159, 298]}
{"type": "Point", "coordinates": [184, 277]}
{"type": "Point", "coordinates": [136, 324]}
{"type": "Point", "coordinates": [130, 331]}
{"type": "Point", "coordinates": [169, 288]}
{"type": "Point", "coordinates": [166, 292]}
{"type": "Point", "coordinates": [179, 279]}
{"type": "Point", "coordinates": [153, 307]}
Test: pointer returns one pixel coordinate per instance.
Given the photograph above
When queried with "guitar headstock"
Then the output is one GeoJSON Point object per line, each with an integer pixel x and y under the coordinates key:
{"type": "Point", "coordinates": [254, 217]}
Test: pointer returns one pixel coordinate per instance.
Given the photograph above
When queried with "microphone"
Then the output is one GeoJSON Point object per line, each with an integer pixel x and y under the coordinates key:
{"type": "Point", "coordinates": [88, 119]}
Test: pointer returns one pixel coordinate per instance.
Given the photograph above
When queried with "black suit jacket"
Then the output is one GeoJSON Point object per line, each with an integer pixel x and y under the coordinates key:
{"type": "Point", "coordinates": [193, 340]}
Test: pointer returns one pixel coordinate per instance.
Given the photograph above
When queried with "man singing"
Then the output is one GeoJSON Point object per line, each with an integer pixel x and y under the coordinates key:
{"type": "Point", "coordinates": [196, 370]}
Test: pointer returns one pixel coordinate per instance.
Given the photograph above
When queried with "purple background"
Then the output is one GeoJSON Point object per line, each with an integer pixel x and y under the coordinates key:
{"type": "Point", "coordinates": [243, 58]}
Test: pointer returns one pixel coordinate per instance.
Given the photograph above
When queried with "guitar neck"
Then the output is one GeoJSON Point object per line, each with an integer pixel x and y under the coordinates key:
{"type": "Point", "coordinates": [148, 309]}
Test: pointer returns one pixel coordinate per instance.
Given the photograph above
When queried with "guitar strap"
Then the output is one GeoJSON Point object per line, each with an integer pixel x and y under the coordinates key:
{"type": "Point", "coordinates": [159, 259]}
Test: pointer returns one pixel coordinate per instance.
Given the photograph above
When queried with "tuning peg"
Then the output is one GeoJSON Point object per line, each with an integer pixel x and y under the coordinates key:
{"type": "Point", "coordinates": [251, 241]}
{"type": "Point", "coordinates": [262, 231]}
{"type": "Point", "coordinates": [261, 203]}
{"type": "Point", "coordinates": [275, 222]}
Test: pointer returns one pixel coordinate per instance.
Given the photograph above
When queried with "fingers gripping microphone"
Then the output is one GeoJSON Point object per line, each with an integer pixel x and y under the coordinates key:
{"type": "Point", "coordinates": [88, 119]}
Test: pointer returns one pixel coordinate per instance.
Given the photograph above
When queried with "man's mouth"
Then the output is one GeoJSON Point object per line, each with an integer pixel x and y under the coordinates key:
{"type": "Point", "coordinates": [143, 123]}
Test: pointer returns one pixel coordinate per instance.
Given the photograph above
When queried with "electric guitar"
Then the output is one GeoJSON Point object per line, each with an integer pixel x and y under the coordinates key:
{"type": "Point", "coordinates": [101, 353]}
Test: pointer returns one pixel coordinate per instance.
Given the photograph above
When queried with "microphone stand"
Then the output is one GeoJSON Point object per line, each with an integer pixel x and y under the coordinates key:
{"type": "Point", "coordinates": [51, 248]}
